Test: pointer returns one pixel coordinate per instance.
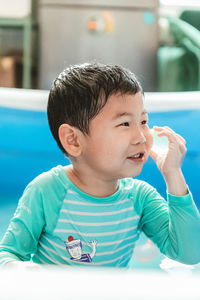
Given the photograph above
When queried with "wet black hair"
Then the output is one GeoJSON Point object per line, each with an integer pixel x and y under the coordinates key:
{"type": "Point", "coordinates": [81, 91]}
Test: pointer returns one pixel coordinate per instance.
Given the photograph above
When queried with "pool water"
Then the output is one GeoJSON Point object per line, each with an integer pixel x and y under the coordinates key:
{"type": "Point", "coordinates": [146, 255]}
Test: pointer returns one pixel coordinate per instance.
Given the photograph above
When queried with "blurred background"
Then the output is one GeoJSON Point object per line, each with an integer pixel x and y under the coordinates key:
{"type": "Point", "coordinates": [158, 40]}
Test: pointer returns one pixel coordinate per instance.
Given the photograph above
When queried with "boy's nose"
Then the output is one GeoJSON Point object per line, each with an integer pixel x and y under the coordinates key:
{"type": "Point", "coordinates": [138, 136]}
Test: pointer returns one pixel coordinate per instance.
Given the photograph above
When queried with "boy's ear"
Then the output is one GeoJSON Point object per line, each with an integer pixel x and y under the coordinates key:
{"type": "Point", "coordinates": [70, 139]}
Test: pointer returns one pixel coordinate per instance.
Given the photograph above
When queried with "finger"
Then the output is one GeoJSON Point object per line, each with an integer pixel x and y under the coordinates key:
{"type": "Point", "coordinates": [173, 140]}
{"type": "Point", "coordinates": [160, 129]}
{"type": "Point", "coordinates": [168, 134]}
{"type": "Point", "coordinates": [178, 135]}
{"type": "Point", "coordinates": [172, 136]}
{"type": "Point", "coordinates": [157, 128]}
{"type": "Point", "coordinates": [167, 127]}
{"type": "Point", "coordinates": [182, 148]}
{"type": "Point", "coordinates": [181, 138]}
{"type": "Point", "coordinates": [153, 155]}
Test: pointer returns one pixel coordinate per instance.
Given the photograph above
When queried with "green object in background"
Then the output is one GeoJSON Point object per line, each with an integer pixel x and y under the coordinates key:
{"type": "Point", "coordinates": [192, 17]}
{"type": "Point", "coordinates": [179, 66]}
{"type": "Point", "coordinates": [177, 70]}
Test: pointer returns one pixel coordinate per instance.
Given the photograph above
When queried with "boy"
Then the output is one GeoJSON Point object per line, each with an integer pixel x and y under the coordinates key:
{"type": "Point", "coordinates": [92, 211]}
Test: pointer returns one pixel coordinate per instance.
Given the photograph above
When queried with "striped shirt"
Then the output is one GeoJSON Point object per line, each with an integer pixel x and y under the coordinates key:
{"type": "Point", "coordinates": [56, 223]}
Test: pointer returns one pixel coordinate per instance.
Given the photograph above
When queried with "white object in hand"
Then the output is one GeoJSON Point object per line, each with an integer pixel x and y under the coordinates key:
{"type": "Point", "coordinates": [160, 144]}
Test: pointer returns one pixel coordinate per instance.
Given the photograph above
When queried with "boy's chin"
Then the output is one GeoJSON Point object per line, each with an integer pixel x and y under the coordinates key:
{"type": "Point", "coordinates": [132, 173]}
{"type": "Point", "coordinates": [135, 174]}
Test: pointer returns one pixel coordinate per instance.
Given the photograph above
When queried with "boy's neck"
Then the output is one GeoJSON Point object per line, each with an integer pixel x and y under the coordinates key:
{"type": "Point", "coordinates": [91, 185]}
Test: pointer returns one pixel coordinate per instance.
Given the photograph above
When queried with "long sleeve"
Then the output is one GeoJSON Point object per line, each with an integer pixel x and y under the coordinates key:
{"type": "Point", "coordinates": [36, 215]}
{"type": "Point", "coordinates": [174, 226]}
{"type": "Point", "coordinates": [25, 228]}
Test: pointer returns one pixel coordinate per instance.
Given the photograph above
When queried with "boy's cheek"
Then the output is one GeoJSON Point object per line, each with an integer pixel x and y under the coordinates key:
{"type": "Point", "coordinates": [149, 139]}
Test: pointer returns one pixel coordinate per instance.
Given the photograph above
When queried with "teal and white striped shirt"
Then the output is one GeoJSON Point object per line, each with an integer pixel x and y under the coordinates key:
{"type": "Point", "coordinates": [56, 223]}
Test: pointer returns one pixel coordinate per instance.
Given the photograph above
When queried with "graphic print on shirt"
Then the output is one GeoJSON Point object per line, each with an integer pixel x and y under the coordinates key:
{"type": "Point", "coordinates": [74, 247]}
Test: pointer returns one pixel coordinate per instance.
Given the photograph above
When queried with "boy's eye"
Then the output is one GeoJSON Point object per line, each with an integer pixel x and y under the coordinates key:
{"type": "Point", "coordinates": [144, 122]}
{"type": "Point", "coordinates": [125, 124]}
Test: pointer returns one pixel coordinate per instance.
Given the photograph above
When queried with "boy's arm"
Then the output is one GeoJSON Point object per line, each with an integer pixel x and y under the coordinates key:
{"type": "Point", "coordinates": [176, 184]}
{"type": "Point", "coordinates": [174, 228]}
{"type": "Point", "coordinates": [170, 163]}
{"type": "Point", "coordinates": [21, 238]}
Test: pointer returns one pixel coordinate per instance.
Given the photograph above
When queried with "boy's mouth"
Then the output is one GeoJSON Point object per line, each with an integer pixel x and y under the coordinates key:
{"type": "Point", "coordinates": [138, 157]}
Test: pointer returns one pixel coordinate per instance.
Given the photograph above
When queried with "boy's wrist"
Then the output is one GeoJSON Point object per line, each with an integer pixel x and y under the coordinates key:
{"type": "Point", "coordinates": [175, 182]}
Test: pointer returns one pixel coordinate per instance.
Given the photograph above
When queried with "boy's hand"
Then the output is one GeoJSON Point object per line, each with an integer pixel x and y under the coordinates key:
{"type": "Point", "coordinates": [170, 163]}
{"type": "Point", "coordinates": [172, 160]}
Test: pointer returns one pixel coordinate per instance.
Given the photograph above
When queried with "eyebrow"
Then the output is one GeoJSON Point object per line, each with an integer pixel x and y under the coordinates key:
{"type": "Point", "coordinates": [125, 114]}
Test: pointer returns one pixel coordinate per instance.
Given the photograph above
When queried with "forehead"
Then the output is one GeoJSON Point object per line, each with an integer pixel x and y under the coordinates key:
{"type": "Point", "coordinates": [119, 104]}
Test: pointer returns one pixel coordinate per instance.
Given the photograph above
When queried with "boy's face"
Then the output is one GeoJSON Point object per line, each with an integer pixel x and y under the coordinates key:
{"type": "Point", "coordinates": [119, 141]}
